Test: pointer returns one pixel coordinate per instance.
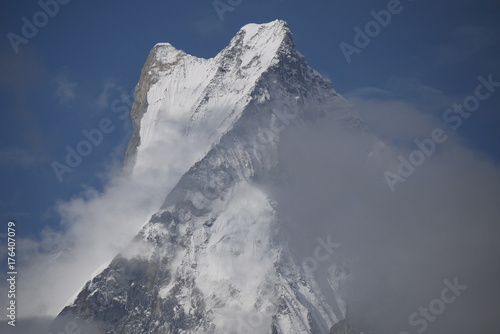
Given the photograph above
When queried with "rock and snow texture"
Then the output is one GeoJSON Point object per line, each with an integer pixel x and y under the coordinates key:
{"type": "Point", "coordinates": [213, 258]}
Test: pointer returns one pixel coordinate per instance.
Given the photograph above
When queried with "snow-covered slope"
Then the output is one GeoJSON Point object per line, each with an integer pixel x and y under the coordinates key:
{"type": "Point", "coordinates": [213, 258]}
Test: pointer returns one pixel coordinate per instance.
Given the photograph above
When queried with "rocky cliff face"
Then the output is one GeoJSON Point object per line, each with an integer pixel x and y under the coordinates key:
{"type": "Point", "coordinates": [213, 258]}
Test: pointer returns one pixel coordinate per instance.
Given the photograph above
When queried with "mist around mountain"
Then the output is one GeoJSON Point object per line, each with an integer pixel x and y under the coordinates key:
{"type": "Point", "coordinates": [234, 246]}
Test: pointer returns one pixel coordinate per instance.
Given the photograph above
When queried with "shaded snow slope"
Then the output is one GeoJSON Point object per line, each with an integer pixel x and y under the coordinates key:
{"type": "Point", "coordinates": [213, 258]}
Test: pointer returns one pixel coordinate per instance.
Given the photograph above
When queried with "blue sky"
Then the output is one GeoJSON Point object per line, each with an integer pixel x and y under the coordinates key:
{"type": "Point", "coordinates": [63, 80]}
{"type": "Point", "coordinates": [87, 58]}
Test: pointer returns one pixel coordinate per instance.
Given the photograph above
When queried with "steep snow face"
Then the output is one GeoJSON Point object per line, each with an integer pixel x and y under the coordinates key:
{"type": "Point", "coordinates": [194, 101]}
{"type": "Point", "coordinates": [213, 259]}
{"type": "Point", "coordinates": [231, 262]}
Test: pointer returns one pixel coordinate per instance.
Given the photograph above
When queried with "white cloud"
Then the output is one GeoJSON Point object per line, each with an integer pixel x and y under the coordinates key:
{"type": "Point", "coordinates": [95, 227]}
{"type": "Point", "coordinates": [393, 120]}
{"type": "Point", "coordinates": [441, 223]}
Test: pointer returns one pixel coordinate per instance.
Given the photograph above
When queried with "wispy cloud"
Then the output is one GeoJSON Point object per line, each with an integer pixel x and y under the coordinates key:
{"type": "Point", "coordinates": [109, 91]}
{"type": "Point", "coordinates": [441, 223]}
{"type": "Point", "coordinates": [65, 88]}
{"type": "Point", "coordinates": [96, 225]}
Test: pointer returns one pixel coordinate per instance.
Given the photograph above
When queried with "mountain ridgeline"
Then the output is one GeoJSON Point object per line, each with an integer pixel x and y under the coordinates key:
{"type": "Point", "coordinates": [213, 258]}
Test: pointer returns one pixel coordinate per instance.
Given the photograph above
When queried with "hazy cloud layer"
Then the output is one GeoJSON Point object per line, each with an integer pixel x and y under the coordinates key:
{"type": "Point", "coordinates": [440, 224]}
{"type": "Point", "coordinates": [95, 226]}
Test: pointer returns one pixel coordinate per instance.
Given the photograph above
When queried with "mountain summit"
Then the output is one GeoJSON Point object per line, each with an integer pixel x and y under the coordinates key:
{"type": "Point", "coordinates": [213, 258]}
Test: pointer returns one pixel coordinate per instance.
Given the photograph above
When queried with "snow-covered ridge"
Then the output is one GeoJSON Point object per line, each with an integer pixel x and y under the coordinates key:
{"type": "Point", "coordinates": [193, 101]}
{"type": "Point", "coordinates": [211, 260]}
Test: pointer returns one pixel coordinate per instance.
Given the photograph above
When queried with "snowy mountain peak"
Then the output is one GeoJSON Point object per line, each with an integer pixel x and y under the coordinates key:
{"type": "Point", "coordinates": [273, 27]}
{"type": "Point", "coordinates": [197, 100]}
{"type": "Point", "coordinates": [259, 43]}
{"type": "Point", "coordinates": [254, 34]}
{"type": "Point", "coordinates": [211, 259]}
{"type": "Point", "coordinates": [167, 54]}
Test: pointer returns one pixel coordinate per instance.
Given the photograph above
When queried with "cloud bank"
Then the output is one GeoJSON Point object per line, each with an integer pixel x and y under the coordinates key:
{"type": "Point", "coordinates": [439, 228]}
{"type": "Point", "coordinates": [401, 247]}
